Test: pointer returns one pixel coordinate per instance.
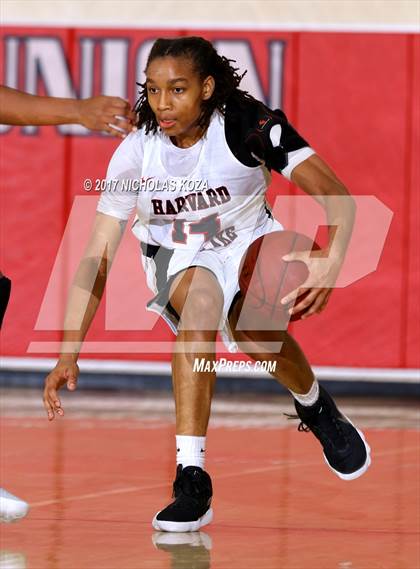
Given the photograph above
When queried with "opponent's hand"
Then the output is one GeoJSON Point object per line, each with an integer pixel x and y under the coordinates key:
{"type": "Point", "coordinates": [323, 273]}
{"type": "Point", "coordinates": [109, 114]}
{"type": "Point", "coordinates": [65, 372]}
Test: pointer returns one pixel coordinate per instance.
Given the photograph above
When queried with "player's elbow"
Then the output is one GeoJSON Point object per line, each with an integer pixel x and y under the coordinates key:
{"type": "Point", "coordinates": [92, 274]}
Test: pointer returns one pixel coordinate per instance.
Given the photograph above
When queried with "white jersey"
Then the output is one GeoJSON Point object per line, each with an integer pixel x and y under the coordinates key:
{"type": "Point", "coordinates": [202, 197]}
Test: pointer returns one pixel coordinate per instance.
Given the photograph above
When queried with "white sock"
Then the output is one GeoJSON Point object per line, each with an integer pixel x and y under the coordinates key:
{"type": "Point", "coordinates": [190, 451]}
{"type": "Point", "coordinates": [307, 399]}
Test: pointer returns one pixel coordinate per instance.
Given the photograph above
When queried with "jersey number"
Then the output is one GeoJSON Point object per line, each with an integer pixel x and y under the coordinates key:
{"type": "Point", "coordinates": [209, 226]}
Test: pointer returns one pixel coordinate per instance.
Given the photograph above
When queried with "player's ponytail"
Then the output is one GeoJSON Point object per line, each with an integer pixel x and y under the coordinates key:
{"type": "Point", "coordinates": [206, 61]}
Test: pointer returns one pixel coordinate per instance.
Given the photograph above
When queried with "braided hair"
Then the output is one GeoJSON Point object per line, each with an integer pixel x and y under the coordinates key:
{"type": "Point", "coordinates": [206, 61]}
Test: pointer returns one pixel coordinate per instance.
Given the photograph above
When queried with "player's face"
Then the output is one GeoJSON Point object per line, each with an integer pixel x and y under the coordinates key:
{"type": "Point", "coordinates": [175, 93]}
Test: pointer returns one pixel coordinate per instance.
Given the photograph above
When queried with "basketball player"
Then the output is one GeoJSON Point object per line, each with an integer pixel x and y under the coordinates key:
{"type": "Point", "coordinates": [197, 127]}
{"type": "Point", "coordinates": [108, 114]}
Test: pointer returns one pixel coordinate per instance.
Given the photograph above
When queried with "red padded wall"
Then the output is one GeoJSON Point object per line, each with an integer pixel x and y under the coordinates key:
{"type": "Point", "coordinates": [354, 96]}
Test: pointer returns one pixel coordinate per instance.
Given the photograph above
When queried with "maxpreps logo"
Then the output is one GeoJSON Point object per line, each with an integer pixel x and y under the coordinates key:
{"type": "Point", "coordinates": [208, 365]}
{"type": "Point", "coordinates": [109, 62]}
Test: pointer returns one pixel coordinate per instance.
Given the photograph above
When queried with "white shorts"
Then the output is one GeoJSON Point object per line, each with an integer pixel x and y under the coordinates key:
{"type": "Point", "coordinates": [161, 265]}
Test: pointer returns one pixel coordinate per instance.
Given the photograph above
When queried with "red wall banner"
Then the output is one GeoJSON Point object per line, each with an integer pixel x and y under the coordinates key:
{"type": "Point", "coordinates": [353, 96]}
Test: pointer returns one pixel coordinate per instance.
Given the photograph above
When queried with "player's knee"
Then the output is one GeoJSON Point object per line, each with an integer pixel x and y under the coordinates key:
{"type": "Point", "coordinates": [202, 309]}
{"type": "Point", "coordinates": [196, 343]}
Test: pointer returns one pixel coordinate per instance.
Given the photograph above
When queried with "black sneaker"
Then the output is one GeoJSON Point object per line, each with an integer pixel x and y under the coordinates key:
{"type": "Point", "coordinates": [191, 508]}
{"type": "Point", "coordinates": [345, 449]}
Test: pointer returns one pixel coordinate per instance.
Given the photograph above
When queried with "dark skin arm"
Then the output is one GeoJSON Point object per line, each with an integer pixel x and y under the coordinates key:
{"type": "Point", "coordinates": [108, 114]}
{"type": "Point", "coordinates": [317, 179]}
{"type": "Point", "coordinates": [83, 302]}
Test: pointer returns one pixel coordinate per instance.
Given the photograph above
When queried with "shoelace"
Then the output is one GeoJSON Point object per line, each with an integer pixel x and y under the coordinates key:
{"type": "Point", "coordinates": [187, 483]}
{"type": "Point", "coordinates": [303, 427]}
{"type": "Point", "coordinates": [331, 428]}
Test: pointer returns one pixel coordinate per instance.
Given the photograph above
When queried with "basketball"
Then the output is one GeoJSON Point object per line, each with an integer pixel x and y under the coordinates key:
{"type": "Point", "coordinates": [264, 278]}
